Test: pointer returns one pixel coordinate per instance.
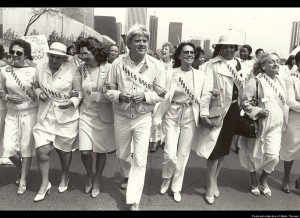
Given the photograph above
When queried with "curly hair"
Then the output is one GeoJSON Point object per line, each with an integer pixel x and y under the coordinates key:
{"type": "Point", "coordinates": [257, 68]}
{"type": "Point", "coordinates": [101, 54]}
{"type": "Point", "coordinates": [171, 47]}
{"type": "Point", "coordinates": [25, 45]}
{"type": "Point", "coordinates": [177, 61]}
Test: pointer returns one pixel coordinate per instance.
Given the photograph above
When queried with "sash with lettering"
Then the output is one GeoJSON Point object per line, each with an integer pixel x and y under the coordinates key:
{"type": "Point", "coordinates": [29, 94]}
{"type": "Point", "coordinates": [296, 74]}
{"type": "Point", "coordinates": [279, 93]}
{"type": "Point", "coordinates": [237, 77]}
{"type": "Point", "coordinates": [181, 82]}
{"type": "Point", "coordinates": [134, 76]}
{"type": "Point", "coordinates": [53, 93]}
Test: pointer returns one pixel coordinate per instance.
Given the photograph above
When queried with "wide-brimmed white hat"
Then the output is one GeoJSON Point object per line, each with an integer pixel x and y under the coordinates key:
{"type": "Point", "coordinates": [58, 48]}
{"type": "Point", "coordinates": [231, 37]}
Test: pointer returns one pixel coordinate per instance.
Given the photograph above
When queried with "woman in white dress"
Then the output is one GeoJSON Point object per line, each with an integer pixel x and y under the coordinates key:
{"type": "Point", "coordinates": [96, 129]}
{"type": "Point", "coordinates": [22, 106]}
{"type": "Point", "coordinates": [272, 111]}
{"type": "Point", "coordinates": [290, 146]}
{"type": "Point", "coordinates": [58, 115]}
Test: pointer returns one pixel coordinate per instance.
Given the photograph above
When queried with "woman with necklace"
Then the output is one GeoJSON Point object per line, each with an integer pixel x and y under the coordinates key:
{"type": "Point", "coordinates": [180, 113]}
{"type": "Point", "coordinates": [96, 129]}
{"type": "Point", "coordinates": [22, 107]}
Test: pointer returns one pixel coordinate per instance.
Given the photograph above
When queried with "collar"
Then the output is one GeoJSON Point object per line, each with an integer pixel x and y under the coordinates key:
{"type": "Point", "coordinates": [132, 62]}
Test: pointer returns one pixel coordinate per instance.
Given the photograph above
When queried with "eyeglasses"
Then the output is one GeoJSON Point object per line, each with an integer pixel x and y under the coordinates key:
{"type": "Point", "coordinates": [83, 55]}
{"type": "Point", "coordinates": [188, 52]}
{"type": "Point", "coordinates": [18, 53]}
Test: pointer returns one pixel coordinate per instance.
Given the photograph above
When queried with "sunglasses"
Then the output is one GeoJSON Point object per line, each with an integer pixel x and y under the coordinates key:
{"type": "Point", "coordinates": [18, 53]}
{"type": "Point", "coordinates": [188, 52]}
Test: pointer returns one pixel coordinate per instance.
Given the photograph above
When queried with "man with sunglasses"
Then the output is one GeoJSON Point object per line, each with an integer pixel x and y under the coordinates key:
{"type": "Point", "coordinates": [135, 74]}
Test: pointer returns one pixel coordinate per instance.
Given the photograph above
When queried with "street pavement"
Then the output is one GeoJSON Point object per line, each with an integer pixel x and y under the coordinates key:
{"type": "Point", "coordinates": [233, 184]}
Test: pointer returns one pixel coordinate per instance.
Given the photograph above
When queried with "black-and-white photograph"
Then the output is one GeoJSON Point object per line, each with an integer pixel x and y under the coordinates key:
{"type": "Point", "coordinates": [150, 109]}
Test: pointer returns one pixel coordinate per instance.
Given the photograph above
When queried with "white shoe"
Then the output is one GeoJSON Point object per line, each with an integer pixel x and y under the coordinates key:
{"type": "Point", "coordinates": [135, 207]}
{"type": "Point", "coordinates": [62, 189]}
{"type": "Point", "coordinates": [177, 196]}
{"type": "Point", "coordinates": [165, 186]}
{"type": "Point", "coordinates": [39, 197]}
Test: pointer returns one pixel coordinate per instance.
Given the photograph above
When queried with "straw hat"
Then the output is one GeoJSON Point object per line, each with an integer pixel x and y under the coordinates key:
{"type": "Point", "coordinates": [58, 48]}
{"type": "Point", "coordinates": [231, 37]}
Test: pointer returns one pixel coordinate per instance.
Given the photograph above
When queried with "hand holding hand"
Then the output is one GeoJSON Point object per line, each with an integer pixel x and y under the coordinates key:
{"type": "Point", "coordinates": [215, 93]}
{"type": "Point", "coordinates": [43, 96]}
{"type": "Point", "coordinates": [206, 122]}
{"type": "Point", "coordinates": [160, 91]}
{"type": "Point", "coordinates": [138, 98]}
{"type": "Point", "coordinates": [263, 114]}
{"type": "Point", "coordinates": [126, 98]}
{"type": "Point", "coordinates": [110, 86]}
{"type": "Point", "coordinates": [74, 93]}
{"type": "Point", "coordinates": [14, 99]}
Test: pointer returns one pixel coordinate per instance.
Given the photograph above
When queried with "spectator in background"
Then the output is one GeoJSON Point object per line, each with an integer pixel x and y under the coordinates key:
{"type": "Point", "coordinates": [288, 67]}
{"type": "Point", "coordinates": [113, 52]}
{"type": "Point", "coordinates": [71, 50]}
{"type": "Point", "coordinates": [258, 53]}
{"type": "Point", "coordinates": [199, 57]}
{"type": "Point", "coordinates": [150, 52]}
{"type": "Point", "coordinates": [156, 56]}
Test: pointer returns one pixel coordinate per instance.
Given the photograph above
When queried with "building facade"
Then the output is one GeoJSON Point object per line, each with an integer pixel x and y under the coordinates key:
{"type": "Point", "coordinates": [295, 36]}
{"type": "Point", "coordinates": [119, 33]}
{"type": "Point", "coordinates": [175, 33]}
{"type": "Point", "coordinates": [82, 15]}
{"type": "Point", "coordinates": [135, 16]}
{"type": "Point", "coordinates": [106, 25]}
{"type": "Point", "coordinates": [153, 25]}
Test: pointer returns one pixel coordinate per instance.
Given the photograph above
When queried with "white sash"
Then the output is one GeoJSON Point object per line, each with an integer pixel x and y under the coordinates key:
{"type": "Point", "coordinates": [237, 78]}
{"type": "Point", "coordinates": [296, 74]}
{"type": "Point", "coordinates": [54, 93]}
{"type": "Point", "coordinates": [135, 77]}
{"type": "Point", "coordinates": [275, 87]}
{"type": "Point", "coordinates": [181, 82]}
{"type": "Point", "coordinates": [28, 93]}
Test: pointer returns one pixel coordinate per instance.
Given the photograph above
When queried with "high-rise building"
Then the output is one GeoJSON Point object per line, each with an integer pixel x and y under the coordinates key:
{"type": "Point", "coordinates": [153, 32]}
{"type": "Point", "coordinates": [83, 15]}
{"type": "Point", "coordinates": [119, 33]}
{"type": "Point", "coordinates": [295, 37]}
{"type": "Point", "coordinates": [197, 42]}
{"type": "Point", "coordinates": [175, 33]}
{"type": "Point", "coordinates": [106, 25]}
{"type": "Point", "coordinates": [206, 48]}
{"type": "Point", "coordinates": [135, 16]}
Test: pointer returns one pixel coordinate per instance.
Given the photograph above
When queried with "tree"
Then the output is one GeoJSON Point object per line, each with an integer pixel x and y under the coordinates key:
{"type": "Point", "coordinates": [37, 13]}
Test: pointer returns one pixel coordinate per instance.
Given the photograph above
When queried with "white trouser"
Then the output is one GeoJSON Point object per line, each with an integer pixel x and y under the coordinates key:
{"type": "Point", "coordinates": [136, 130]}
{"type": "Point", "coordinates": [177, 149]}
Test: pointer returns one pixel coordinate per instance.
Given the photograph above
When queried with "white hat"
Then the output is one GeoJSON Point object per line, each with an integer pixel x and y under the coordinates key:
{"type": "Point", "coordinates": [229, 38]}
{"type": "Point", "coordinates": [58, 48]}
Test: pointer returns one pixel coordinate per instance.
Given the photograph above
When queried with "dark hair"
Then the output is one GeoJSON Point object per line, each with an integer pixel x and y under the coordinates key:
{"type": "Point", "coordinates": [248, 47]}
{"type": "Point", "coordinates": [101, 54]}
{"type": "Point", "coordinates": [177, 61]}
{"type": "Point", "coordinates": [1, 51]}
{"type": "Point", "coordinates": [25, 45]}
{"type": "Point", "coordinates": [115, 45]}
{"type": "Point", "coordinates": [69, 48]}
{"type": "Point", "coordinates": [218, 49]}
{"type": "Point", "coordinates": [289, 60]}
{"type": "Point", "coordinates": [258, 50]}
{"type": "Point", "coordinates": [297, 58]}
{"type": "Point", "coordinates": [198, 51]}
{"type": "Point", "coordinates": [90, 43]}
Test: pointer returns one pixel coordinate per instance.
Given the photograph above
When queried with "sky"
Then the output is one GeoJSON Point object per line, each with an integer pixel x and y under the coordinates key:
{"type": "Point", "coordinates": [267, 28]}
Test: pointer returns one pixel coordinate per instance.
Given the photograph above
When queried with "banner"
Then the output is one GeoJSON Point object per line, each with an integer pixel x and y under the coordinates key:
{"type": "Point", "coordinates": [39, 47]}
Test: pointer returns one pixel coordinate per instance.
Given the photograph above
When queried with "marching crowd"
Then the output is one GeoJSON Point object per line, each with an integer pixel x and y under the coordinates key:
{"type": "Point", "coordinates": [90, 98]}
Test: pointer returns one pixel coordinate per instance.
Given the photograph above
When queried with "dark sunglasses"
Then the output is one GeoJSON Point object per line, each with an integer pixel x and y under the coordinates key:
{"type": "Point", "coordinates": [19, 53]}
{"type": "Point", "coordinates": [188, 52]}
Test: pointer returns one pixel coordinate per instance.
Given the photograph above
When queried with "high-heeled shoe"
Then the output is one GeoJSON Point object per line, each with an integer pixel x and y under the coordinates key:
{"type": "Point", "coordinates": [62, 189]}
{"type": "Point", "coordinates": [265, 190]}
{"type": "Point", "coordinates": [209, 199]}
{"type": "Point", "coordinates": [216, 192]}
{"type": "Point", "coordinates": [88, 187]}
{"type": "Point", "coordinates": [21, 189]}
{"type": "Point", "coordinates": [286, 185]}
{"type": "Point", "coordinates": [40, 197]}
{"type": "Point", "coordinates": [95, 193]}
{"type": "Point", "coordinates": [297, 184]}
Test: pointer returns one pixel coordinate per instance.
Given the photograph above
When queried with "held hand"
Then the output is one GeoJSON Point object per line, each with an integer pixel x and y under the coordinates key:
{"type": "Point", "coordinates": [263, 114]}
{"type": "Point", "coordinates": [138, 98]}
{"type": "Point", "coordinates": [74, 93]}
{"type": "Point", "coordinates": [215, 93]}
{"type": "Point", "coordinates": [160, 91]}
{"type": "Point", "coordinates": [126, 98]}
{"type": "Point", "coordinates": [66, 105]}
{"type": "Point", "coordinates": [43, 96]}
{"type": "Point", "coordinates": [206, 122]}
{"type": "Point", "coordinates": [14, 99]}
{"type": "Point", "coordinates": [110, 86]}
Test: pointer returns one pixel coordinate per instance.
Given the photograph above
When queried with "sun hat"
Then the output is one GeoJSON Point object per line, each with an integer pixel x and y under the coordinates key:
{"type": "Point", "coordinates": [58, 48]}
{"type": "Point", "coordinates": [231, 37]}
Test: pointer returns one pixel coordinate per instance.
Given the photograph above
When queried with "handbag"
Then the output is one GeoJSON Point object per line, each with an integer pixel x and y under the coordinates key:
{"type": "Point", "coordinates": [216, 109]}
{"type": "Point", "coordinates": [245, 125]}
